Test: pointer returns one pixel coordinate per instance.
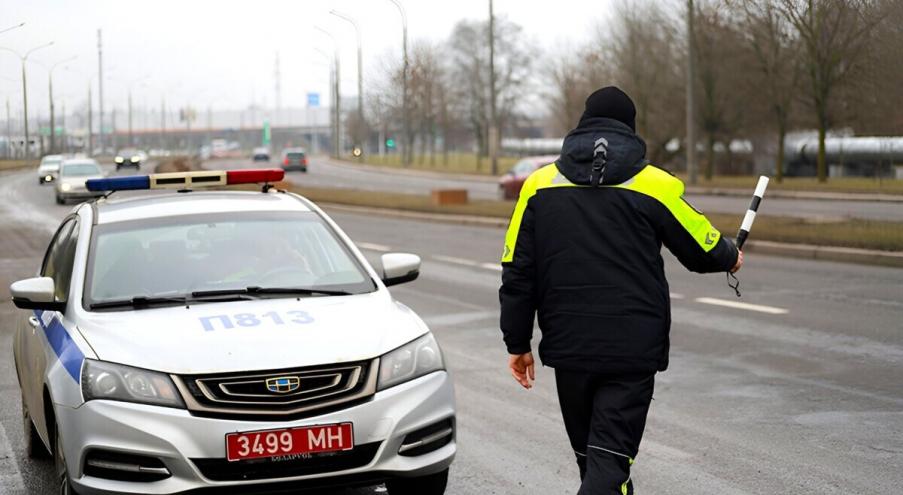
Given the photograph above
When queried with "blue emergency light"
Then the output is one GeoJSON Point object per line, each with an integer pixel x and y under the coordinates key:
{"type": "Point", "coordinates": [185, 180]}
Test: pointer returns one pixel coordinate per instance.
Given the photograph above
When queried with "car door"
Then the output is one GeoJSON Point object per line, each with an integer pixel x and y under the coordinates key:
{"type": "Point", "coordinates": [36, 350]}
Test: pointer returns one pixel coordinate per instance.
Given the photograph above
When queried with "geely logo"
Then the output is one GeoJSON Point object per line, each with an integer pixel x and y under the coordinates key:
{"type": "Point", "coordinates": [283, 384]}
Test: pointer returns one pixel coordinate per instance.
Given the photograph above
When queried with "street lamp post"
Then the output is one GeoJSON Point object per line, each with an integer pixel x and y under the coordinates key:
{"type": "Point", "coordinates": [337, 114]}
{"type": "Point", "coordinates": [131, 84]}
{"type": "Point", "coordinates": [406, 157]}
{"type": "Point", "coordinates": [360, 72]}
{"type": "Point", "coordinates": [52, 106]}
{"type": "Point", "coordinates": [17, 26]}
{"type": "Point", "coordinates": [24, 58]}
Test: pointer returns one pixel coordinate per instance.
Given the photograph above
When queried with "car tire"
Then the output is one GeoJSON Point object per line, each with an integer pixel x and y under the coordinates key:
{"type": "Point", "coordinates": [433, 484]}
{"type": "Point", "coordinates": [60, 469]}
{"type": "Point", "coordinates": [34, 446]}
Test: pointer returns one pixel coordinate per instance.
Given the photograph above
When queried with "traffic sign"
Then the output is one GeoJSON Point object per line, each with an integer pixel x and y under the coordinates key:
{"type": "Point", "coordinates": [313, 99]}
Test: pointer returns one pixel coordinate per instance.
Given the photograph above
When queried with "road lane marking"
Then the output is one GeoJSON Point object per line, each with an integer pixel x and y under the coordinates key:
{"type": "Point", "coordinates": [372, 246]}
{"type": "Point", "coordinates": [675, 295]}
{"type": "Point", "coordinates": [491, 266]}
{"type": "Point", "coordinates": [741, 305]}
{"type": "Point", "coordinates": [454, 260]}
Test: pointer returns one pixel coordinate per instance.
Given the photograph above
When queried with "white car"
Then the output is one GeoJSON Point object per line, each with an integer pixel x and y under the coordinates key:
{"type": "Point", "coordinates": [71, 179]}
{"type": "Point", "coordinates": [48, 168]}
{"type": "Point", "coordinates": [225, 340]}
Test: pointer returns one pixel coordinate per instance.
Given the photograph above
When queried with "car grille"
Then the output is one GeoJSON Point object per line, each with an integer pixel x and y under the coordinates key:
{"type": "Point", "coordinates": [219, 469]}
{"type": "Point", "coordinates": [281, 393]}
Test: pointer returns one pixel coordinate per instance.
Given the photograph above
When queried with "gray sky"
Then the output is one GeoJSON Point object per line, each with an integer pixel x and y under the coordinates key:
{"type": "Point", "coordinates": [221, 53]}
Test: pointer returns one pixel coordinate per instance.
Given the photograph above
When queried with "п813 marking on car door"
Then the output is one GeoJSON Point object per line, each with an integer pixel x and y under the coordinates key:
{"type": "Point", "coordinates": [252, 320]}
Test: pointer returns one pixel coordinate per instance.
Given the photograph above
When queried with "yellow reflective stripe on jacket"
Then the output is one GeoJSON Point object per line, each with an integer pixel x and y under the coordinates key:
{"type": "Point", "coordinates": [540, 179]}
{"type": "Point", "coordinates": [668, 190]}
{"type": "Point", "coordinates": [651, 181]}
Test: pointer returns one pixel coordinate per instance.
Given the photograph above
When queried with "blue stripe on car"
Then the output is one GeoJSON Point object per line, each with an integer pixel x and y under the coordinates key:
{"type": "Point", "coordinates": [71, 357]}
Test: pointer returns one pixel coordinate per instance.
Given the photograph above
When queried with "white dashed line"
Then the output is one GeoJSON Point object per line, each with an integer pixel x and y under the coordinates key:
{"type": "Point", "coordinates": [741, 305]}
{"type": "Point", "coordinates": [491, 266]}
{"type": "Point", "coordinates": [369, 246]}
{"type": "Point", "coordinates": [675, 295]}
{"type": "Point", "coordinates": [455, 261]}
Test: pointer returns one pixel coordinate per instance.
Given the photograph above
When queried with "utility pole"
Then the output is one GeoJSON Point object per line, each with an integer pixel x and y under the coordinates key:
{"type": "Point", "coordinates": [360, 79]}
{"type": "Point", "coordinates": [163, 121]}
{"type": "Point", "coordinates": [9, 132]}
{"type": "Point", "coordinates": [90, 122]}
{"type": "Point", "coordinates": [277, 76]}
{"type": "Point", "coordinates": [100, 91]}
{"type": "Point", "coordinates": [692, 167]}
{"type": "Point", "coordinates": [493, 116]}
{"type": "Point", "coordinates": [336, 97]}
{"type": "Point", "coordinates": [406, 155]}
{"type": "Point", "coordinates": [23, 59]}
{"type": "Point", "coordinates": [52, 119]}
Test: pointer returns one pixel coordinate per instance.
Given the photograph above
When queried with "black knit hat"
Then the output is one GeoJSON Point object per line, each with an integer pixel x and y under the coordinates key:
{"type": "Point", "coordinates": [610, 102]}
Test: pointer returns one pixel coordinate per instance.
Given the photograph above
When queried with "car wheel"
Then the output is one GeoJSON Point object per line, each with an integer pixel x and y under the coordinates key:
{"type": "Point", "coordinates": [433, 484]}
{"type": "Point", "coordinates": [61, 470]}
{"type": "Point", "coordinates": [34, 446]}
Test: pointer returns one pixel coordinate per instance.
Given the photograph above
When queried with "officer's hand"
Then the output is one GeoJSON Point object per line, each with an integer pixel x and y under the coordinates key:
{"type": "Point", "coordinates": [521, 366]}
{"type": "Point", "coordinates": [739, 264]}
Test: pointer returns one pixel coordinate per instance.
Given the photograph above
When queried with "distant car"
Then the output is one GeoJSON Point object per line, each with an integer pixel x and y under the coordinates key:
{"type": "Point", "coordinates": [49, 167]}
{"type": "Point", "coordinates": [260, 155]}
{"type": "Point", "coordinates": [71, 179]}
{"type": "Point", "coordinates": [294, 159]}
{"type": "Point", "coordinates": [129, 157]}
{"type": "Point", "coordinates": [510, 184]}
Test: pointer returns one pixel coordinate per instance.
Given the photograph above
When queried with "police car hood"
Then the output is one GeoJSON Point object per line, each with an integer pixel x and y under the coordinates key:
{"type": "Point", "coordinates": [625, 151]}
{"type": "Point", "coordinates": [261, 334]}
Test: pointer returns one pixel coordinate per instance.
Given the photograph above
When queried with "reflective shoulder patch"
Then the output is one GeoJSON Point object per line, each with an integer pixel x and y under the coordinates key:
{"type": "Point", "coordinates": [543, 178]}
{"type": "Point", "coordinates": [668, 190]}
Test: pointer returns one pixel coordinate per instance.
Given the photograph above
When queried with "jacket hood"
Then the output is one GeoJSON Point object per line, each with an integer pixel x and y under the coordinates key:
{"type": "Point", "coordinates": [626, 152]}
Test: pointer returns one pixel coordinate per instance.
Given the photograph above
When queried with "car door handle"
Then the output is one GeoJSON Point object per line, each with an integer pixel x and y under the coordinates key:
{"type": "Point", "coordinates": [33, 321]}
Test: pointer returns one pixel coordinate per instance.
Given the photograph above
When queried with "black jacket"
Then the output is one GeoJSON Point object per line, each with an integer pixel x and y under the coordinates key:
{"type": "Point", "coordinates": [588, 260]}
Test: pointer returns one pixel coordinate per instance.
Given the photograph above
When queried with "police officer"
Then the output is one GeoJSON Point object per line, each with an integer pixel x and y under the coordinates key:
{"type": "Point", "coordinates": [583, 251]}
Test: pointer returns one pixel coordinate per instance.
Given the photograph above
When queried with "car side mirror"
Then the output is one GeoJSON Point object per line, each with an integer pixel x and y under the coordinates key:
{"type": "Point", "coordinates": [399, 268]}
{"type": "Point", "coordinates": [36, 293]}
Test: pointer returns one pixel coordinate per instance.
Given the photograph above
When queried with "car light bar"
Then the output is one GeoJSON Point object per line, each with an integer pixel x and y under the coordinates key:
{"type": "Point", "coordinates": [185, 180]}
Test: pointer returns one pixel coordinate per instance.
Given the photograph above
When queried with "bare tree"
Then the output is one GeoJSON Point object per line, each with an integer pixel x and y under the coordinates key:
{"type": "Point", "coordinates": [834, 35]}
{"type": "Point", "coordinates": [774, 46]}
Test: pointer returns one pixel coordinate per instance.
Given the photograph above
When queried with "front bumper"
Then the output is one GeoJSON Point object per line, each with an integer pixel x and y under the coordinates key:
{"type": "Point", "coordinates": [180, 440]}
{"type": "Point", "coordinates": [79, 194]}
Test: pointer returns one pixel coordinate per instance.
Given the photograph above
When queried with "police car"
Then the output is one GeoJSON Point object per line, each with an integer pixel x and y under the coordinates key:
{"type": "Point", "coordinates": [225, 339]}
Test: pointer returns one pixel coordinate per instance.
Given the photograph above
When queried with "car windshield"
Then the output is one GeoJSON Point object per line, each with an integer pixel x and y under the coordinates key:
{"type": "Point", "coordinates": [524, 167]}
{"type": "Point", "coordinates": [183, 256]}
{"type": "Point", "coordinates": [80, 169]}
{"type": "Point", "coordinates": [128, 152]}
{"type": "Point", "coordinates": [294, 155]}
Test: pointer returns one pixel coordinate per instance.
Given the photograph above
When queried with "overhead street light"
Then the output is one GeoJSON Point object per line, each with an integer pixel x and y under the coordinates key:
{"type": "Point", "coordinates": [360, 68]}
{"type": "Point", "coordinates": [405, 157]}
{"type": "Point", "coordinates": [24, 58]}
{"type": "Point", "coordinates": [337, 115]}
{"type": "Point", "coordinates": [17, 26]}
{"type": "Point", "coordinates": [50, 93]}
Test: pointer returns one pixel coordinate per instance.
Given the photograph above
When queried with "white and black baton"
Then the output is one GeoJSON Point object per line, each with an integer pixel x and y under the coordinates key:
{"type": "Point", "coordinates": [746, 225]}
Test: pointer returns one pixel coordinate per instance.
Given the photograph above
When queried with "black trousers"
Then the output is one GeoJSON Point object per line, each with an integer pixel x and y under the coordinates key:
{"type": "Point", "coordinates": [605, 416]}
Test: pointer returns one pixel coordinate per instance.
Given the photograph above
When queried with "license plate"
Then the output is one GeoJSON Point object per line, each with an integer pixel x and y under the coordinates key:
{"type": "Point", "coordinates": [289, 441]}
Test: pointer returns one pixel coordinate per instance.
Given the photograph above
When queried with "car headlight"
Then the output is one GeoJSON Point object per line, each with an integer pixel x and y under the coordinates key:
{"type": "Point", "coordinates": [136, 159]}
{"type": "Point", "coordinates": [410, 361]}
{"type": "Point", "coordinates": [65, 186]}
{"type": "Point", "coordinates": [119, 159]}
{"type": "Point", "coordinates": [48, 178]}
{"type": "Point", "coordinates": [102, 380]}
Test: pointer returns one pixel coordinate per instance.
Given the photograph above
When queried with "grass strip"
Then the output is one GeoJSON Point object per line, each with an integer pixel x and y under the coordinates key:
{"type": "Point", "coordinates": [17, 164]}
{"type": "Point", "coordinates": [864, 234]}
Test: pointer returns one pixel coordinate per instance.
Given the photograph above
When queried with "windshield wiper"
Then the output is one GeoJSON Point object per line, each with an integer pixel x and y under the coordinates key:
{"type": "Point", "coordinates": [141, 302]}
{"type": "Point", "coordinates": [254, 290]}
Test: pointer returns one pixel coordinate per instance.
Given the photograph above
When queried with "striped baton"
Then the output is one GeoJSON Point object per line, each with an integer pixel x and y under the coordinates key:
{"type": "Point", "coordinates": [751, 212]}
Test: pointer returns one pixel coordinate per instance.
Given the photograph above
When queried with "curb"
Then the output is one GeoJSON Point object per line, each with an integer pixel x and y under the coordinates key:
{"type": "Point", "coordinates": [410, 172]}
{"type": "Point", "coordinates": [805, 251]}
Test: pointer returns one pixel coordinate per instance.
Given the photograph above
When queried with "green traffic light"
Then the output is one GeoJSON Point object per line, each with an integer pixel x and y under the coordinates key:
{"type": "Point", "coordinates": [390, 143]}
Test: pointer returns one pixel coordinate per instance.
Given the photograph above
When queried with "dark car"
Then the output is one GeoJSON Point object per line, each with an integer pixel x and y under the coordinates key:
{"type": "Point", "coordinates": [129, 157]}
{"type": "Point", "coordinates": [294, 159]}
{"type": "Point", "coordinates": [511, 183]}
{"type": "Point", "coordinates": [260, 155]}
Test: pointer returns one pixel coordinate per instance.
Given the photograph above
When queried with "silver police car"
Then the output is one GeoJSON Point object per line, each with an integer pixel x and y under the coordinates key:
{"type": "Point", "coordinates": [225, 339]}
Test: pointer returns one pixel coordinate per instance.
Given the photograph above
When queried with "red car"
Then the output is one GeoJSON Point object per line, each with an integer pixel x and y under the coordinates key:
{"type": "Point", "coordinates": [511, 183]}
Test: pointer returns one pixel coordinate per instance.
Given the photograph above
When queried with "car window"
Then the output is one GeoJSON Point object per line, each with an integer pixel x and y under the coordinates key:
{"type": "Point", "coordinates": [80, 169]}
{"type": "Point", "coordinates": [294, 155]}
{"type": "Point", "coordinates": [524, 167]}
{"type": "Point", "coordinates": [179, 255]}
{"type": "Point", "coordinates": [60, 258]}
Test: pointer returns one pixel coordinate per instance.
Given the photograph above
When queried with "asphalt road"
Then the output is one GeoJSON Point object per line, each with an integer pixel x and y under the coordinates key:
{"type": "Point", "coordinates": [328, 173]}
{"type": "Point", "coordinates": [796, 391]}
